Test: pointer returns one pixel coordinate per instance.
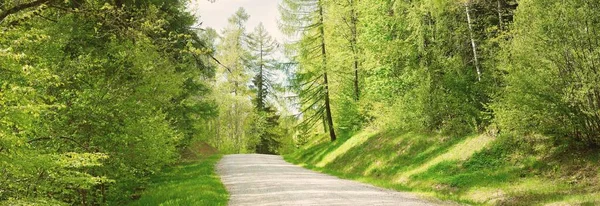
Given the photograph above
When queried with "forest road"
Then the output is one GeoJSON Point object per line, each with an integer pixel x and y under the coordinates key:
{"type": "Point", "coordinates": [254, 179]}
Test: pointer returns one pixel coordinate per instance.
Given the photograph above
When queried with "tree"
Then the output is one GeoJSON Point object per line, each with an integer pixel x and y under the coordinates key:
{"type": "Point", "coordinates": [307, 18]}
{"type": "Point", "coordinates": [552, 78]}
{"type": "Point", "coordinates": [473, 44]}
{"type": "Point", "coordinates": [262, 45]}
{"type": "Point", "coordinates": [233, 53]}
{"type": "Point", "coordinates": [265, 127]}
{"type": "Point", "coordinates": [347, 12]}
{"type": "Point", "coordinates": [232, 92]}
{"type": "Point", "coordinates": [91, 104]}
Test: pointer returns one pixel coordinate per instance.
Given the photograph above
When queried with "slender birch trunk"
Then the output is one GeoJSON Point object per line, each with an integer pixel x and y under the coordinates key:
{"type": "Point", "coordinates": [473, 44]}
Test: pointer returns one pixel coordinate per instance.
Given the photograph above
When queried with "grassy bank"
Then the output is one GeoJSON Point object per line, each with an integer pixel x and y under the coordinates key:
{"type": "Point", "coordinates": [476, 169]}
{"type": "Point", "coordinates": [192, 182]}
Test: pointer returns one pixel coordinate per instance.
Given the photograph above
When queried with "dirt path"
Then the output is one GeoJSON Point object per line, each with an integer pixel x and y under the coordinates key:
{"type": "Point", "coordinates": [269, 180]}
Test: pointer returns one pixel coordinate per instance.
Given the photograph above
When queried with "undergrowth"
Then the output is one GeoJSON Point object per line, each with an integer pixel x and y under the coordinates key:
{"type": "Point", "coordinates": [476, 169]}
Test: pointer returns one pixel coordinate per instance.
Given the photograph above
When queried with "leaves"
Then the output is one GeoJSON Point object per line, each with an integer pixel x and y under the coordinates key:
{"type": "Point", "coordinates": [91, 99]}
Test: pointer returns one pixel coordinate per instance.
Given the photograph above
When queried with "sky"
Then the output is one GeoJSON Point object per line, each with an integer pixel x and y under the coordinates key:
{"type": "Point", "coordinates": [215, 14]}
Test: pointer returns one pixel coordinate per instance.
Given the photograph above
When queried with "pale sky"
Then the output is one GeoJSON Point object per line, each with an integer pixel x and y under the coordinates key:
{"type": "Point", "coordinates": [215, 14]}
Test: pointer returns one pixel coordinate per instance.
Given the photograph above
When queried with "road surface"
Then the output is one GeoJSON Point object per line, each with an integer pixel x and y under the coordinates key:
{"type": "Point", "coordinates": [254, 180]}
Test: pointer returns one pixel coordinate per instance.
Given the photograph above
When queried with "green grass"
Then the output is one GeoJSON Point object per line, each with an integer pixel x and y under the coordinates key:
{"type": "Point", "coordinates": [475, 169]}
{"type": "Point", "coordinates": [191, 183]}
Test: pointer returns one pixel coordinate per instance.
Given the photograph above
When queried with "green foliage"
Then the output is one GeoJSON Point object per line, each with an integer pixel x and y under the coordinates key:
{"type": "Point", "coordinates": [451, 67]}
{"type": "Point", "coordinates": [522, 70]}
{"type": "Point", "coordinates": [231, 92]}
{"type": "Point", "coordinates": [247, 120]}
{"type": "Point", "coordinates": [349, 118]}
{"type": "Point", "coordinates": [193, 183]}
{"type": "Point", "coordinates": [476, 170]}
{"type": "Point", "coordinates": [552, 83]}
{"type": "Point", "coordinates": [265, 127]}
{"type": "Point", "coordinates": [91, 105]}
{"type": "Point", "coordinates": [262, 46]}
{"type": "Point", "coordinates": [266, 130]}
{"type": "Point", "coordinates": [306, 20]}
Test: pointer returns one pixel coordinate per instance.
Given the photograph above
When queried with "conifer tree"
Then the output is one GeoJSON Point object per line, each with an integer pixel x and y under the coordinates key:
{"type": "Point", "coordinates": [262, 46]}
{"type": "Point", "coordinates": [265, 127]}
{"type": "Point", "coordinates": [307, 18]}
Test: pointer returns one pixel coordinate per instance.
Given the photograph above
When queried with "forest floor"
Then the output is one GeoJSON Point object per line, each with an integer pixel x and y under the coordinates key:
{"type": "Point", "coordinates": [476, 169]}
{"type": "Point", "coordinates": [254, 179]}
{"type": "Point", "coordinates": [192, 181]}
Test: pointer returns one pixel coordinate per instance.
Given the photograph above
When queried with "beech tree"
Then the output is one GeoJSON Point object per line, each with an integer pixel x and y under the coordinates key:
{"type": "Point", "coordinates": [90, 104]}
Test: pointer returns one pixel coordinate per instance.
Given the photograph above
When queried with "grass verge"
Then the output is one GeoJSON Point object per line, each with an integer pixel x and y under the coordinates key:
{"type": "Point", "coordinates": [189, 183]}
{"type": "Point", "coordinates": [476, 169]}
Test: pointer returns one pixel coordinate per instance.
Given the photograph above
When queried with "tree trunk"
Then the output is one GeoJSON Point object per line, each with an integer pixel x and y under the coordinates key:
{"type": "Point", "coordinates": [325, 124]}
{"type": "Point", "coordinates": [500, 21]}
{"type": "Point", "coordinates": [260, 100]}
{"type": "Point", "coordinates": [354, 46]}
{"type": "Point", "coordinates": [325, 80]}
{"type": "Point", "coordinates": [473, 44]}
{"type": "Point", "coordinates": [103, 192]}
{"type": "Point", "coordinates": [259, 81]}
{"type": "Point", "coordinates": [22, 7]}
{"type": "Point", "coordinates": [356, 89]}
{"type": "Point", "coordinates": [328, 110]}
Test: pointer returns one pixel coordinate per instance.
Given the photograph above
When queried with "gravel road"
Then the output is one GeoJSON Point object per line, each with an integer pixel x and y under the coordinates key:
{"type": "Point", "coordinates": [268, 180]}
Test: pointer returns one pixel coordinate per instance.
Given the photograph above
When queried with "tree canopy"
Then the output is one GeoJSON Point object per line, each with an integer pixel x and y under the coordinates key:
{"type": "Point", "coordinates": [97, 95]}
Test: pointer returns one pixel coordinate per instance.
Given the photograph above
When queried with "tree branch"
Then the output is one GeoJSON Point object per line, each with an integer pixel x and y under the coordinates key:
{"type": "Point", "coordinates": [46, 18]}
{"type": "Point", "coordinates": [21, 7]}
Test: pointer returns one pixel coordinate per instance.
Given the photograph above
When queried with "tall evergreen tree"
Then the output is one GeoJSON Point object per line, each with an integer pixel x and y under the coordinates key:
{"type": "Point", "coordinates": [307, 18]}
{"type": "Point", "coordinates": [262, 47]}
{"type": "Point", "coordinates": [265, 127]}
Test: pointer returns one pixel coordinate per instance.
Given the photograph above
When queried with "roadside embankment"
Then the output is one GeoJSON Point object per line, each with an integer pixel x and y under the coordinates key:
{"type": "Point", "coordinates": [476, 169]}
